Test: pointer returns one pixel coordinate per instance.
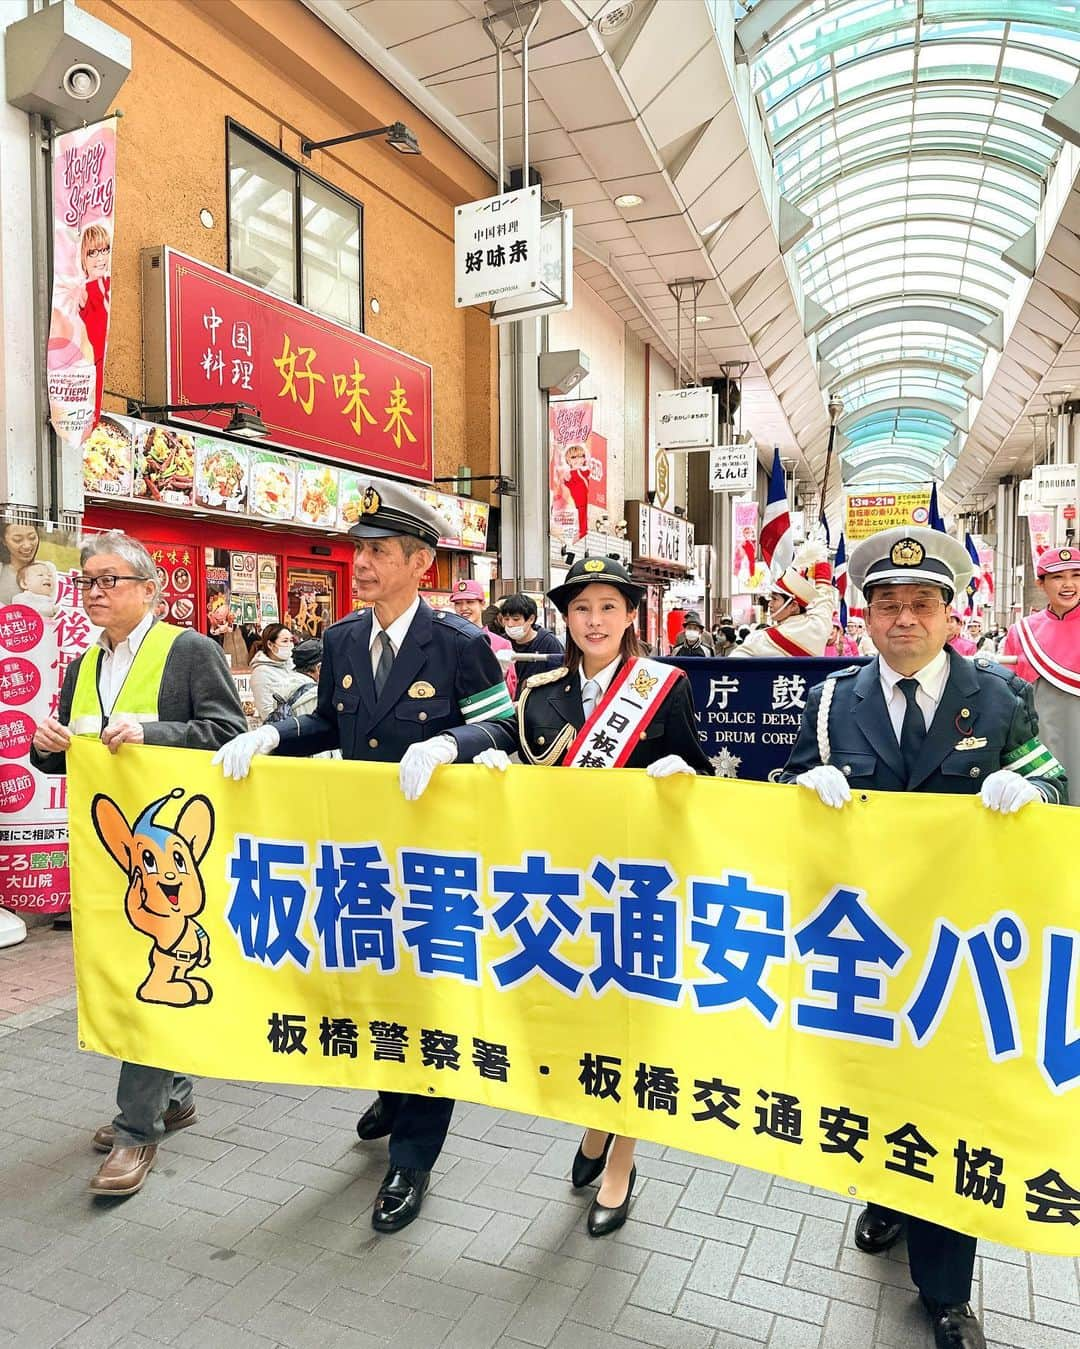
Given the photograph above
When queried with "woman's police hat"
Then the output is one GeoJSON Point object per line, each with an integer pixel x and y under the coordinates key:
{"type": "Point", "coordinates": [604, 570]}
{"type": "Point", "coordinates": [388, 508]}
{"type": "Point", "coordinates": [910, 555]}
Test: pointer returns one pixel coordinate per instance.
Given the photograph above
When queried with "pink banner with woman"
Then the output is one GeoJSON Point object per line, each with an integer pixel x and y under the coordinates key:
{"type": "Point", "coordinates": [84, 203]}
{"type": "Point", "coordinates": [577, 472]}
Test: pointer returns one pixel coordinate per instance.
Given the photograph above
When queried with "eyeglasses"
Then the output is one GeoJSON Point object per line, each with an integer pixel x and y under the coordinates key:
{"type": "Point", "coordinates": [102, 252]}
{"type": "Point", "coordinates": [102, 582]}
{"type": "Point", "coordinates": [894, 608]}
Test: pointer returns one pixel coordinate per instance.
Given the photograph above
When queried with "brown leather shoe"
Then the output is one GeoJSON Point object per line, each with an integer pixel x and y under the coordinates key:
{"type": "Point", "coordinates": [124, 1170]}
{"type": "Point", "coordinates": [177, 1117]}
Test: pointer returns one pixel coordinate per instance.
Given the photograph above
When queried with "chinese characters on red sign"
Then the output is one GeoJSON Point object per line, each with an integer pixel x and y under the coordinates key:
{"type": "Point", "coordinates": [320, 387]}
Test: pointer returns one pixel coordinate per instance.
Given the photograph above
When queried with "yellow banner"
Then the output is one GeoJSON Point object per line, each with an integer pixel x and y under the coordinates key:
{"type": "Point", "coordinates": [867, 513]}
{"type": "Point", "coordinates": [845, 998]}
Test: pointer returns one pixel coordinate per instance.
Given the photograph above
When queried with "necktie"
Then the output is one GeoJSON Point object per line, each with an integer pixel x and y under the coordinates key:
{"type": "Point", "coordinates": [385, 665]}
{"type": "Point", "coordinates": [590, 696]}
{"type": "Point", "coordinates": [913, 730]}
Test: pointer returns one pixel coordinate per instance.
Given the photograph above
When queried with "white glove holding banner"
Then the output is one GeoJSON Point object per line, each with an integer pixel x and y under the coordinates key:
{"type": "Point", "coordinates": [1007, 792]}
{"type": "Point", "coordinates": [421, 760]}
{"type": "Point", "coordinates": [235, 757]}
{"type": "Point", "coordinates": [494, 758]}
{"type": "Point", "coordinates": [668, 766]}
{"type": "Point", "coordinates": [829, 783]}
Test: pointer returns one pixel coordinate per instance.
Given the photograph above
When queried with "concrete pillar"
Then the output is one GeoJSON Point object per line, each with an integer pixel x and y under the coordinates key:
{"type": "Point", "coordinates": [523, 454]}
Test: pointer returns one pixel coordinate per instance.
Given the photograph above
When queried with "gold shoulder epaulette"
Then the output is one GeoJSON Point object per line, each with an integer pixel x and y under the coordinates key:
{"type": "Point", "coordinates": [549, 677]}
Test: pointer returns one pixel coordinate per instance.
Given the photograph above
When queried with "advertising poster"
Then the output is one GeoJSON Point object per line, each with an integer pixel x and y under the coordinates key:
{"type": "Point", "coordinates": [43, 628]}
{"type": "Point", "coordinates": [311, 596]}
{"type": "Point", "coordinates": [1041, 532]}
{"type": "Point", "coordinates": [268, 592]}
{"type": "Point", "coordinates": [868, 513]}
{"type": "Point", "coordinates": [748, 571]}
{"type": "Point", "coordinates": [577, 470]}
{"type": "Point", "coordinates": [176, 572]}
{"type": "Point", "coordinates": [84, 217]}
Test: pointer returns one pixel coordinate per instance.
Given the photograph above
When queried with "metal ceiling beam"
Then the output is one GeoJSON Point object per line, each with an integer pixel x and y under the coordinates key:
{"type": "Point", "coordinates": [766, 18]}
{"type": "Point", "coordinates": [902, 313]}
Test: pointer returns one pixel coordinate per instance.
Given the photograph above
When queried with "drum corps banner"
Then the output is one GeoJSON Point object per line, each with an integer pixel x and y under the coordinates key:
{"type": "Point", "coordinates": [873, 1011]}
{"type": "Point", "coordinates": [84, 217]}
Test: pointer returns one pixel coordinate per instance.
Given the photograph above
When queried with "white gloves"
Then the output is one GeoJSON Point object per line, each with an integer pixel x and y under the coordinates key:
{"type": "Point", "coordinates": [505, 657]}
{"type": "Point", "coordinates": [421, 760]}
{"type": "Point", "coordinates": [829, 783]}
{"type": "Point", "coordinates": [1008, 791]}
{"type": "Point", "coordinates": [494, 758]}
{"type": "Point", "coordinates": [236, 756]}
{"type": "Point", "coordinates": [668, 766]}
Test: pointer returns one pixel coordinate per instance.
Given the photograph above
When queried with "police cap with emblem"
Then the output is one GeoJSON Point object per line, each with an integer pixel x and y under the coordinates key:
{"type": "Point", "coordinates": [604, 570]}
{"type": "Point", "coordinates": [910, 555]}
{"type": "Point", "coordinates": [388, 508]}
{"type": "Point", "coordinates": [1058, 559]}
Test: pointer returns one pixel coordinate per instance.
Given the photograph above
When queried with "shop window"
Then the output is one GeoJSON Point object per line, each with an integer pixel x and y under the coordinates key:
{"type": "Point", "coordinates": [293, 234]}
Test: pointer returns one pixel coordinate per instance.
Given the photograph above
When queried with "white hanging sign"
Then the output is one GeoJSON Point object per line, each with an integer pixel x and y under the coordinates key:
{"type": "Point", "coordinates": [685, 418]}
{"type": "Point", "coordinates": [1057, 484]}
{"type": "Point", "coordinates": [497, 248]}
{"type": "Point", "coordinates": [732, 468]}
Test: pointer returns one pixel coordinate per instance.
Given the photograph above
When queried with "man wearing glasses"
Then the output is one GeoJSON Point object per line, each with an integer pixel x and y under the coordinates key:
{"type": "Point", "coordinates": [144, 682]}
{"type": "Point", "coordinates": [920, 718]}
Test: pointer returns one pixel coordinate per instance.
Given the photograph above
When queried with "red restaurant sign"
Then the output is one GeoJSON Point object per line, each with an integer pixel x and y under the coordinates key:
{"type": "Point", "coordinates": [321, 388]}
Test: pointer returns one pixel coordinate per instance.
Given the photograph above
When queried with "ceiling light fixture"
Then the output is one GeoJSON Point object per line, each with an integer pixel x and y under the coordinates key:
{"type": "Point", "coordinates": [629, 199]}
{"type": "Point", "coordinates": [702, 318]}
{"type": "Point", "coordinates": [615, 18]}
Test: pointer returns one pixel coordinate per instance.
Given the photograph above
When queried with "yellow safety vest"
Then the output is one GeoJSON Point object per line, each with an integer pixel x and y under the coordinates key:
{"type": "Point", "coordinates": [138, 696]}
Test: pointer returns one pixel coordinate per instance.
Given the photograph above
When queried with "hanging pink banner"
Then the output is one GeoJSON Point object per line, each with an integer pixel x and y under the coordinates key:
{"type": "Point", "coordinates": [1041, 532]}
{"type": "Point", "coordinates": [84, 203]}
{"type": "Point", "coordinates": [577, 470]}
{"type": "Point", "coordinates": [747, 569]}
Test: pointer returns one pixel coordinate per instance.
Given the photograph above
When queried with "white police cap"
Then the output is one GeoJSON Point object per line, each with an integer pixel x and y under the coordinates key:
{"type": "Point", "coordinates": [910, 555]}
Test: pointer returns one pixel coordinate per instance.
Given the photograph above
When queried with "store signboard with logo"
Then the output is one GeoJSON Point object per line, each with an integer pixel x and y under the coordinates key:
{"type": "Point", "coordinates": [732, 468]}
{"type": "Point", "coordinates": [1057, 484]}
{"type": "Point", "coordinates": [320, 387]}
{"type": "Point", "coordinates": [685, 418]}
{"type": "Point", "coordinates": [661, 537]}
{"type": "Point", "coordinates": [497, 248]}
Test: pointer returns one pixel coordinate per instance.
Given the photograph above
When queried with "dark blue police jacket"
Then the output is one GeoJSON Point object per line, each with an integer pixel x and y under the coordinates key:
{"type": "Point", "coordinates": [981, 703]}
{"type": "Point", "coordinates": [444, 661]}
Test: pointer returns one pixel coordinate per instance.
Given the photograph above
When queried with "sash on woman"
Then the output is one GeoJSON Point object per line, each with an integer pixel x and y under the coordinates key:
{"type": "Point", "coordinates": [619, 719]}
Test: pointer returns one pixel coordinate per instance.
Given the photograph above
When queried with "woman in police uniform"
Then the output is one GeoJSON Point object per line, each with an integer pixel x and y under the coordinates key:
{"type": "Point", "coordinates": [607, 706]}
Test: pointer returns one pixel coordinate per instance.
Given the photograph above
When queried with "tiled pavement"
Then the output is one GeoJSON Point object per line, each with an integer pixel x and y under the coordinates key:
{"type": "Point", "coordinates": [254, 1231]}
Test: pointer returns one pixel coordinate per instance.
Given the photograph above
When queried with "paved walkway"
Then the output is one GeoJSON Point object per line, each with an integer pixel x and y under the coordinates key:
{"type": "Point", "coordinates": [254, 1230]}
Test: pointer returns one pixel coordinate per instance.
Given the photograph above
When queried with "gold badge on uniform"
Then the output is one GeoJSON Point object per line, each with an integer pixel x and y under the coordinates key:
{"type": "Point", "coordinates": [971, 742]}
{"type": "Point", "coordinates": [644, 684]}
{"type": "Point", "coordinates": [907, 553]}
{"type": "Point", "coordinates": [346, 683]}
{"type": "Point", "coordinates": [422, 689]}
{"type": "Point", "coordinates": [371, 502]}
{"type": "Point", "coordinates": [594, 564]}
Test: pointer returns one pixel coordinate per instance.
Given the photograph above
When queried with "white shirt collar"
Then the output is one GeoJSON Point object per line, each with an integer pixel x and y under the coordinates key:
{"type": "Point", "coordinates": [931, 677]}
{"type": "Point", "coordinates": [134, 639]}
{"type": "Point", "coordinates": [397, 630]}
{"type": "Point", "coordinates": [603, 678]}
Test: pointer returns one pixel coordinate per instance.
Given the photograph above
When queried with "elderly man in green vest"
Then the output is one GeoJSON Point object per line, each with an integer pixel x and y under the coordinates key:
{"type": "Point", "coordinates": [145, 682]}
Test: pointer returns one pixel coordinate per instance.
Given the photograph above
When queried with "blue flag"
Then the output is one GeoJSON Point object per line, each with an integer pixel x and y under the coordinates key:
{"type": "Point", "coordinates": [936, 521]}
{"type": "Point", "coordinates": [976, 575]}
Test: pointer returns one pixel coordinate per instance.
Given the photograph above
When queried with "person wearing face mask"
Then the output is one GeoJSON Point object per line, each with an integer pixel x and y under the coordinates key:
{"type": "Point", "coordinates": [692, 640]}
{"type": "Point", "coordinates": [528, 639]}
{"type": "Point", "coordinates": [576, 717]}
{"type": "Point", "coordinates": [273, 677]}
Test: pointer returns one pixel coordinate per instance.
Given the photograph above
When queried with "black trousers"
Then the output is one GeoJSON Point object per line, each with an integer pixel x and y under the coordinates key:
{"type": "Point", "coordinates": [941, 1261]}
{"type": "Point", "coordinates": [418, 1126]}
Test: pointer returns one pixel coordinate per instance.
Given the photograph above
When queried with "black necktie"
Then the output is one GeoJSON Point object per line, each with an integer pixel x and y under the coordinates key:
{"type": "Point", "coordinates": [913, 730]}
{"type": "Point", "coordinates": [386, 662]}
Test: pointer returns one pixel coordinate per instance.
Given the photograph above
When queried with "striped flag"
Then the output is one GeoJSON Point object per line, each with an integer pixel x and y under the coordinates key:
{"type": "Point", "coordinates": [936, 520]}
{"type": "Point", "coordinates": [976, 575]}
{"type": "Point", "coordinates": [840, 579]}
{"type": "Point", "coordinates": [777, 538]}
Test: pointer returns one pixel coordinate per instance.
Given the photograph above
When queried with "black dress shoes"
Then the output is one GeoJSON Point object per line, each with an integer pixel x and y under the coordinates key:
{"type": "Point", "coordinates": [586, 1169]}
{"type": "Point", "coordinates": [603, 1220]}
{"type": "Point", "coordinates": [955, 1325]}
{"type": "Point", "coordinates": [373, 1123]}
{"type": "Point", "coordinates": [399, 1198]}
{"type": "Point", "coordinates": [878, 1229]}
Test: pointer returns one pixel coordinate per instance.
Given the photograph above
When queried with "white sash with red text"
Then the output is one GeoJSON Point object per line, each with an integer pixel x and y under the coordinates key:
{"type": "Point", "coordinates": [619, 719]}
{"type": "Point", "coordinates": [1059, 675]}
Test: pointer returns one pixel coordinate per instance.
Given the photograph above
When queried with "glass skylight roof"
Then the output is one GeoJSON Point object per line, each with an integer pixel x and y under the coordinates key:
{"type": "Point", "coordinates": [910, 132]}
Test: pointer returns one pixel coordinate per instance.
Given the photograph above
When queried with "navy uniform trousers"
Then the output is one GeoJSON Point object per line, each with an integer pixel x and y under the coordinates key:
{"type": "Point", "coordinates": [981, 701]}
{"type": "Point", "coordinates": [443, 662]}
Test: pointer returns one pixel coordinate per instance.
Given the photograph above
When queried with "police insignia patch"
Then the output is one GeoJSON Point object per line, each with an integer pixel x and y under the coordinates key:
{"type": "Point", "coordinates": [907, 553]}
{"type": "Point", "coordinates": [422, 689]}
{"type": "Point", "coordinates": [371, 502]}
{"type": "Point", "coordinates": [594, 564]}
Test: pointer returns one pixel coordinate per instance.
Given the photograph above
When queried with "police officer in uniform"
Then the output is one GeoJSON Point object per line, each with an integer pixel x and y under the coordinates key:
{"type": "Point", "coordinates": [920, 718]}
{"type": "Point", "coordinates": [398, 683]}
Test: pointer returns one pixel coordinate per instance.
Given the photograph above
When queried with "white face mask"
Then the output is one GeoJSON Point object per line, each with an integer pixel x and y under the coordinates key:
{"type": "Point", "coordinates": [515, 634]}
{"type": "Point", "coordinates": [692, 636]}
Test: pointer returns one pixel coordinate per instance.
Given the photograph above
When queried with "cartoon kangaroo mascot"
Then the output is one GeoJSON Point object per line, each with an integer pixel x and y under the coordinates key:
{"type": "Point", "coordinates": [165, 890]}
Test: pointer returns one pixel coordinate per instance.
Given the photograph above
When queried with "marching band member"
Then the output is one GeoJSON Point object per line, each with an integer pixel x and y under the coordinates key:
{"type": "Point", "coordinates": [1047, 650]}
{"type": "Point", "coordinates": [800, 610]}
{"type": "Point", "coordinates": [605, 707]}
